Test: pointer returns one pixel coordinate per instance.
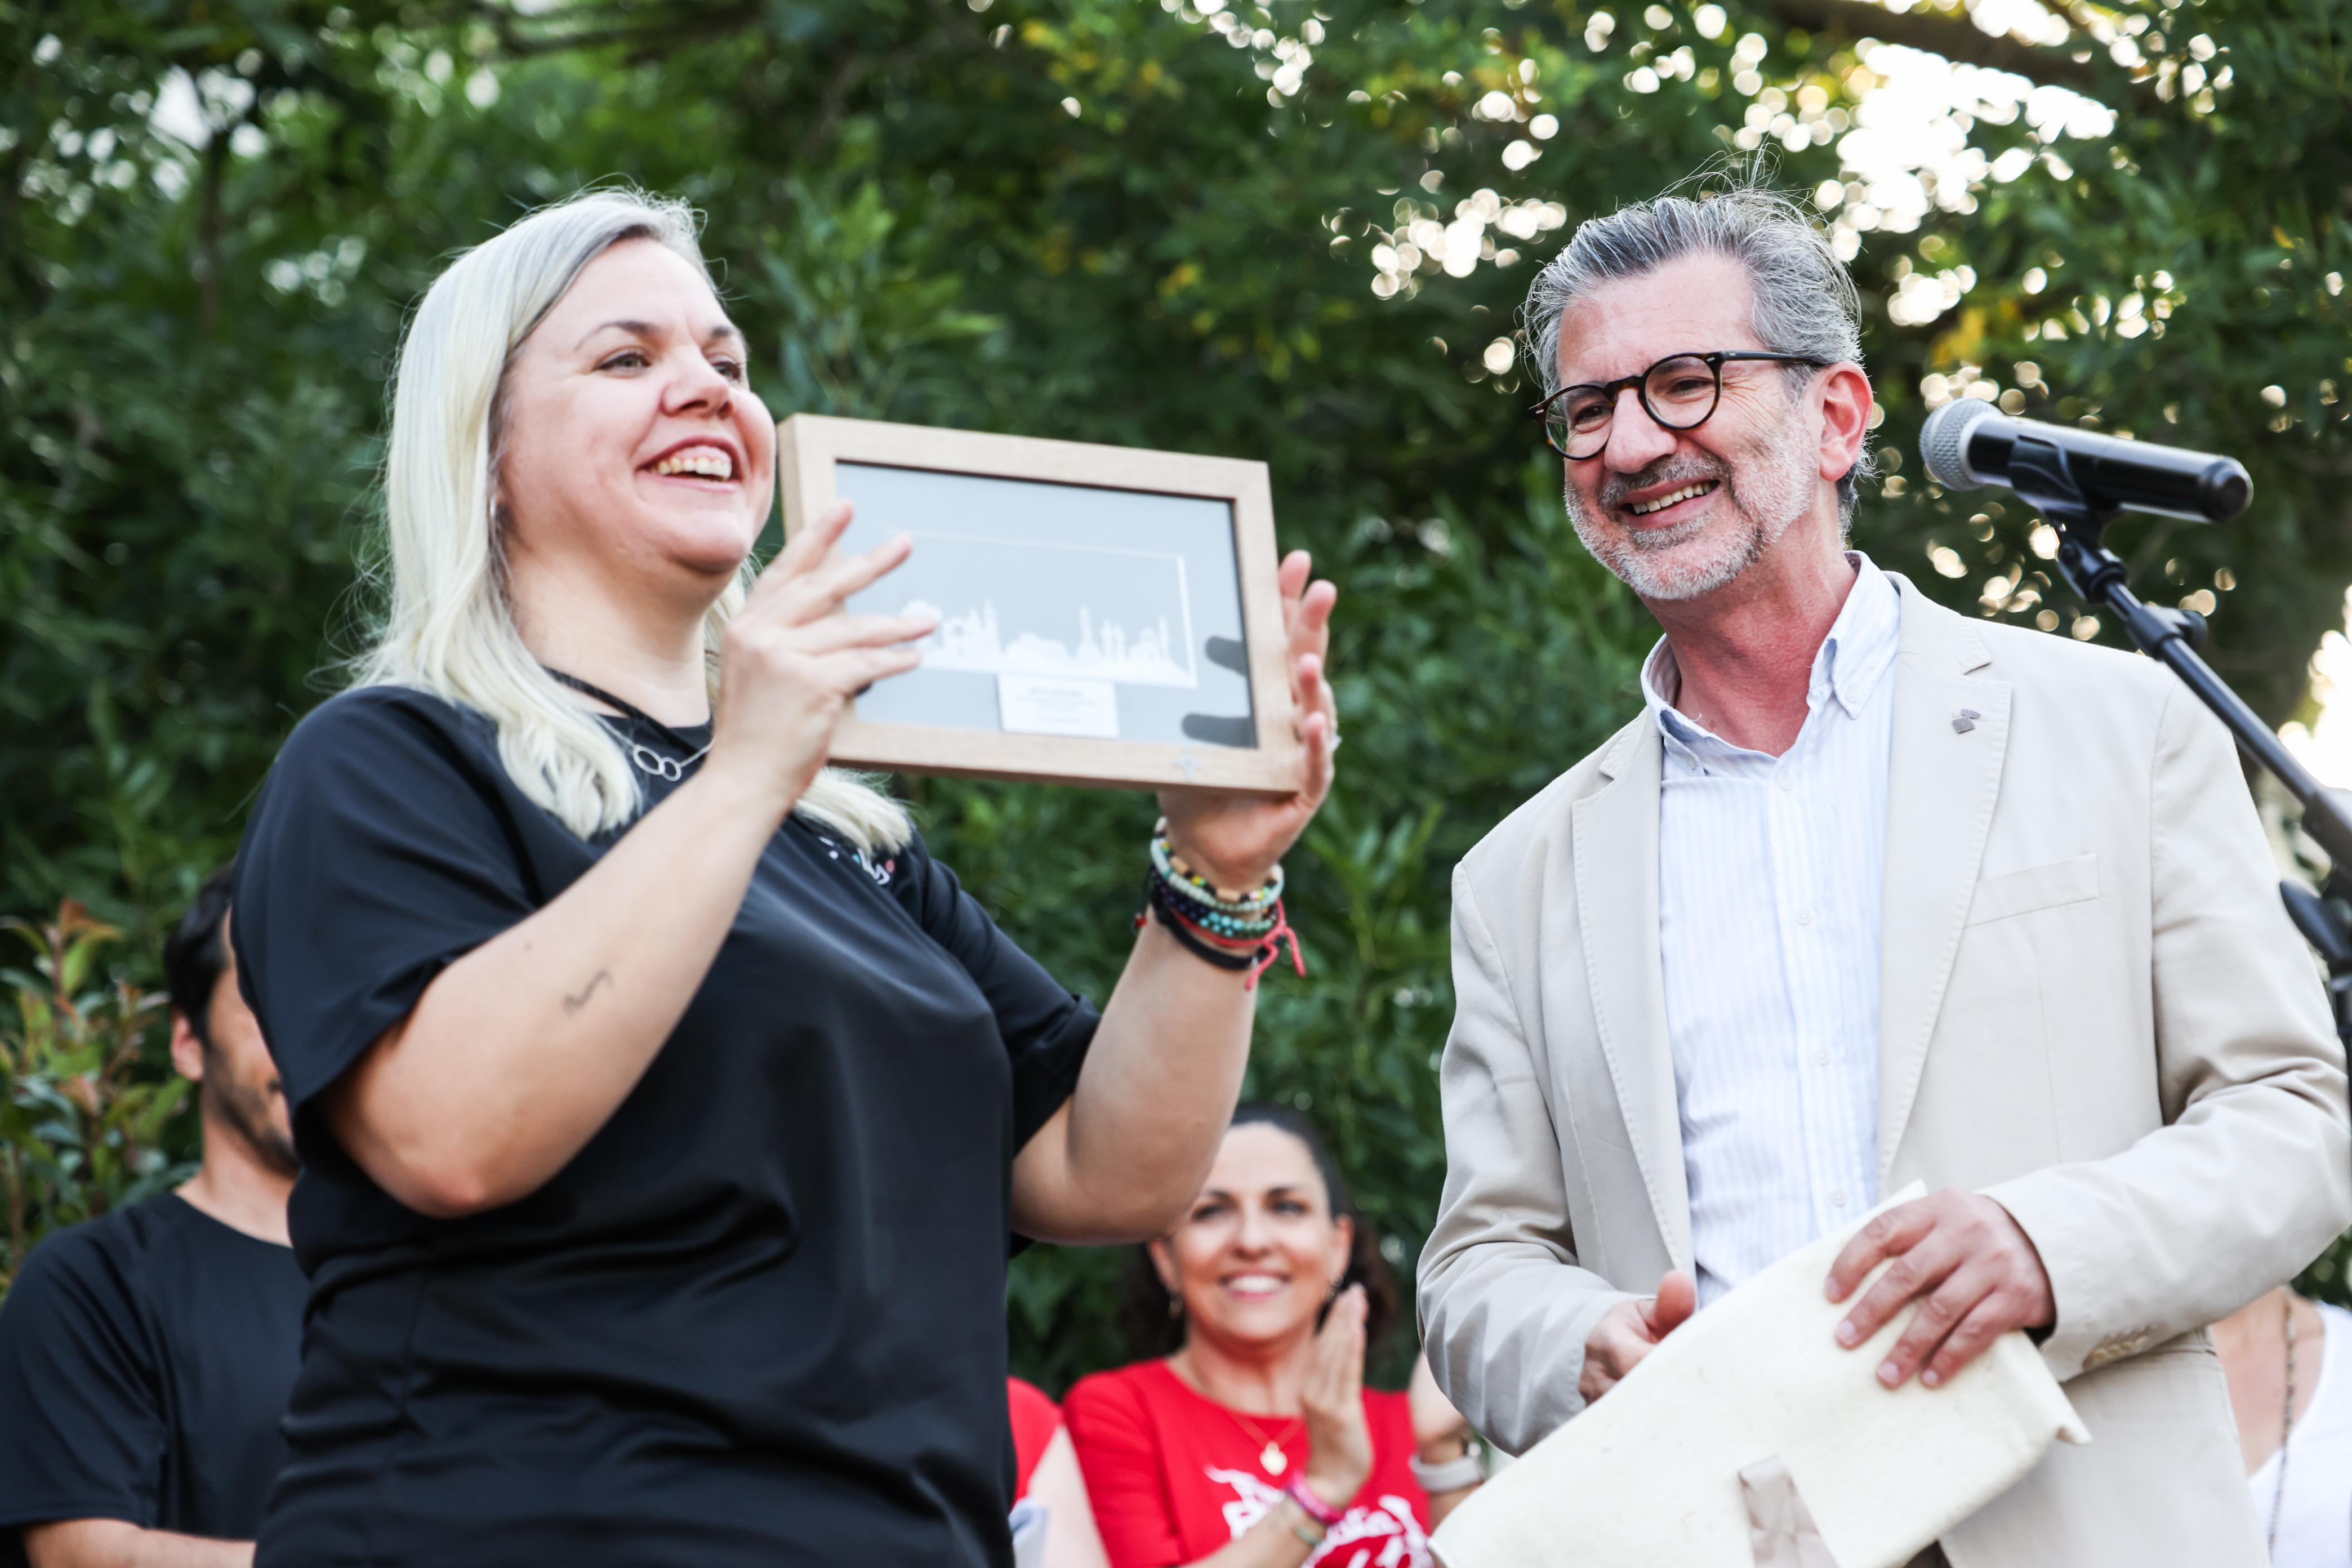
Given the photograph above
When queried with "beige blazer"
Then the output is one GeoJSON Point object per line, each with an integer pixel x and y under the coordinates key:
{"type": "Point", "coordinates": [2092, 1008]}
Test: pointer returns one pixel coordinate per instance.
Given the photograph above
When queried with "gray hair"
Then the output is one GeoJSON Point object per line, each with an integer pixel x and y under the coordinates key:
{"type": "Point", "coordinates": [1805, 300]}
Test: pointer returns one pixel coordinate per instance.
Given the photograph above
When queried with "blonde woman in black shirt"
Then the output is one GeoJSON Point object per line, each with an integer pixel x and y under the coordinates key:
{"type": "Point", "coordinates": [664, 1105]}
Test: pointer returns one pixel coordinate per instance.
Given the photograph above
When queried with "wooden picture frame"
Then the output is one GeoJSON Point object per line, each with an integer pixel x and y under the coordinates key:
{"type": "Point", "coordinates": [1159, 513]}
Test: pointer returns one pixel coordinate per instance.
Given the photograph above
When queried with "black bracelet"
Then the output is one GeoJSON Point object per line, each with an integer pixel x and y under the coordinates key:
{"type": "Point", "coordinates": [1156, 899]}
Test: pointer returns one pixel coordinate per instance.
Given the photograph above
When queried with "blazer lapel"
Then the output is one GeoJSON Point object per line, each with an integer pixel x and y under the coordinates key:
{"type": "Point", "coordinates": [1616, 852]}
{"type": "Point", "coordinates": [1942, 782]}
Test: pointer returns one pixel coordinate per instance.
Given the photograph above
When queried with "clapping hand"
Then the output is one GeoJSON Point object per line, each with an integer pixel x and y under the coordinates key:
{"type": "Point", "coordinates": [1338, 1440]}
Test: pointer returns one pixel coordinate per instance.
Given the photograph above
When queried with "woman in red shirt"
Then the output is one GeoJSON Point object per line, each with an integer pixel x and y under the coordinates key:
{"type": "Point", "coordinates": [1254, 1444]}
{"type": "Point", "coordinates": [1045, 1473]}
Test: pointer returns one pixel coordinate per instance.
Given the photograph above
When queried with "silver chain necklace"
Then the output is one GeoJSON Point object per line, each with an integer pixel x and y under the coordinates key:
{"type": "Point", "coordinates": [662, 767]}
{"type": "Point", "coordinates": [646, 759]}
{"type": "Point", "coordinates": [2286, 1428]}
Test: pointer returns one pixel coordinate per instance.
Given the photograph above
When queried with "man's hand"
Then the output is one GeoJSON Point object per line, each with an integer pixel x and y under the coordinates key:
{"type": "Point", "coordinates": [1973, 1270]}
{"type": "Point", "coordinates": [1632, 1330]}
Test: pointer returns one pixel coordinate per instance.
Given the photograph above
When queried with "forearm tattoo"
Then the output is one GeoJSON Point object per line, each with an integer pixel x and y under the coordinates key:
{"type": "Point", "coordinates": [573, 1004]}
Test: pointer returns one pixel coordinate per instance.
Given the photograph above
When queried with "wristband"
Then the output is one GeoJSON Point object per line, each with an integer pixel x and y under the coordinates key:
{"type": "Point", "coordinates": [1316, 1508]}
{"type": "Point", "coordinates": [1451, 1476]}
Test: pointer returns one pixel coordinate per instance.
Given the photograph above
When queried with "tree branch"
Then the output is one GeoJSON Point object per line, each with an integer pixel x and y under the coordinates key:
{"type": "Point", "coordinates": [1955, 37]}
{"type": "Point", "coordinates": [641, 32]}
{"type": "Point", "coordinates": [208, 226]}
{"type": "Point", "coordinates": [851, 73]}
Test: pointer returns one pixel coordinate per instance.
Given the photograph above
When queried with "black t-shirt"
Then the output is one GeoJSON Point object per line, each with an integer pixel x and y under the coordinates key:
{"type": "Point", "coordinates": [760, 1318]}
{"type": "Point", "coordinates": [144, 1363]}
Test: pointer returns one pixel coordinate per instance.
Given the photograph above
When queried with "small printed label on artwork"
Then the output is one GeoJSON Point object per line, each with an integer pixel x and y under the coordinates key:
{"type": "Point", "coordinates": [1057, 705]}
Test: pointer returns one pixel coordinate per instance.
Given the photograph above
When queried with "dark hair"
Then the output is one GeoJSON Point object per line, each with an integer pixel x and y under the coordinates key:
{"type": "Point", "coordinates": [194, 955]}
{"type": "Point", "coordinates": [1153, 1331]}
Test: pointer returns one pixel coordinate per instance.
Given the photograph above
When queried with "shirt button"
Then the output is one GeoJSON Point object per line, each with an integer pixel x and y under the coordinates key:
{"type": "Point", "coordinates": [1837, 1199]}
{"type": "Point", "coordinates": [1804, 916]}
{"type": "Point", "coordinates": [1788, 783]}
{"type": "Point", "coordinates": [1822, 1058]}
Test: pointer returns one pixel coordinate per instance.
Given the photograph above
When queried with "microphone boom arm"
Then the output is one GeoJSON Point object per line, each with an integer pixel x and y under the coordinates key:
{"type": "Point", "coordinates": [2043, 478]}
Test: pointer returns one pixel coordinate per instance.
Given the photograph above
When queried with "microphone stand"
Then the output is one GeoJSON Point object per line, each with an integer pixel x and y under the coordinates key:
{"type": "Point", "coordinates": [2039, 474]}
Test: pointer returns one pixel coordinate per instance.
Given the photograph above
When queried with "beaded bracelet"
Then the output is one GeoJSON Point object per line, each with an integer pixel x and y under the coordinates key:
{"type": "Point", "coordinates": [1200, 890]}
{"type": "Point", "coordinates": [1155, 899]}
{"type": "Point", "coordinates": [1313, 1507]}
{"type": "Point", "coordinates": [1232, 928]}
{"type": "Point", "coordinates": [1254, 953]}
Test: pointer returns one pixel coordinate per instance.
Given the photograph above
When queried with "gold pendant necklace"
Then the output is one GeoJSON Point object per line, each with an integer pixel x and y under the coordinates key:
{"type": "Point", "coordinates": [1270, 1458]}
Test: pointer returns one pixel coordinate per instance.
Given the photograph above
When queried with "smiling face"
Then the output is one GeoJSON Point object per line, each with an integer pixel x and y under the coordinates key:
{"type": "Point", "coordinates": [1679, 514]}
{"type": "Point", "coordinates": [1259, 1252]}
{"type": "Point", "coordinates": [632, 446]}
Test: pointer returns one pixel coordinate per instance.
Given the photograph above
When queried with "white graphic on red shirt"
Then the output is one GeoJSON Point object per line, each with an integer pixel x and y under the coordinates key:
{"type": "Point", "coordinates": [1383, 1536]}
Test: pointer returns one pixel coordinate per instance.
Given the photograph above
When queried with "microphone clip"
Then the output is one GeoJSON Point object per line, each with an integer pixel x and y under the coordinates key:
{"type": "Point", "coordinates": [2044, 478]}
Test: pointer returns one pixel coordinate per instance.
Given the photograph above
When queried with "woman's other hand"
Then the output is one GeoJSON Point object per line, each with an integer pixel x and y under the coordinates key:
{"type": "Point", "coordinates": [1338, 1440]}
{"type": "Point", "coordinates": [792, 665]}
{"type": "Point", "coordinates": [1235, 840]}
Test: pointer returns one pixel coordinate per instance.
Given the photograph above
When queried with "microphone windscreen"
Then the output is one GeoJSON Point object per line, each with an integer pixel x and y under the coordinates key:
{"type": "Point", "coordinates": [1944, 442]}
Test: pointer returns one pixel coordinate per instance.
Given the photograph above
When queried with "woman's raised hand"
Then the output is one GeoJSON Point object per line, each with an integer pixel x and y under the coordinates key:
{"type": "Point", "coordinates": [1340, 1442]}
{"type": "Point", "coordinates": [1235, 840]}
{"type": "Point", "coordinates": [791, 665]}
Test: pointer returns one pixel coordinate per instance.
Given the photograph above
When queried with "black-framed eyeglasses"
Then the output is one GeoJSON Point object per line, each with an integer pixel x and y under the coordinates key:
{"type": "Point", "coordinates": [1679, 392]}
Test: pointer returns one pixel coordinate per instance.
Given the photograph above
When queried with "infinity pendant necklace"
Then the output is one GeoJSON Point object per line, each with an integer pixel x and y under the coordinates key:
{"type": "Point", "coordinates": [646, 759]}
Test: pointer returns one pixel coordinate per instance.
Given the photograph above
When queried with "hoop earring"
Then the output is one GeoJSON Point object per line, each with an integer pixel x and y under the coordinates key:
{"type": "Point", "coordinates": [1175, 1308]}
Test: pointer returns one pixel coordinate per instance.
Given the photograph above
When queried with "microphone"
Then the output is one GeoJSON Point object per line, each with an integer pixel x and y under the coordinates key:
{"type": "Point", "coordinates": [1968, 443]}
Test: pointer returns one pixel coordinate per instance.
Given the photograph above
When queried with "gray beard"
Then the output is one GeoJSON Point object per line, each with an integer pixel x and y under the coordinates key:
{"type": "Point", "coordinates": [1767, 493]}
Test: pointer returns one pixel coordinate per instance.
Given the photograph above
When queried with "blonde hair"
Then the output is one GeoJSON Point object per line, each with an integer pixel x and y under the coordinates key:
{"type": "Point", "coordinates": [449, 627]}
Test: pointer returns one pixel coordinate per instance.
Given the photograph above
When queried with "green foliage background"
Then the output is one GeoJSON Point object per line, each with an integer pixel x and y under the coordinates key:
{"type": "Point", "coordinates": [1092, 219]}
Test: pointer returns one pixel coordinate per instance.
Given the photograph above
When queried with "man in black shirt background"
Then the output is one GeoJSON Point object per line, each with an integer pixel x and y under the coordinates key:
{"type": "Point", "coordinates": [145, 1357]}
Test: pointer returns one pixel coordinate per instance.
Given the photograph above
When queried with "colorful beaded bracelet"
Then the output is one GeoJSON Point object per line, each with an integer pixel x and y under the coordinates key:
{"type": "Point", "coordinates": [1254, 957]}
{"type": "Point", "coordinates": [1313, 1507]}
{"type": "Point", "coordinates": [1240, 928]}
{"type": "Point", "coordinates": [1170, 866]}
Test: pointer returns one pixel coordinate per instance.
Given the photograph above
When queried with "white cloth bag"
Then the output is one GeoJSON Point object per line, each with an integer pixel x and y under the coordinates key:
{"type": "Point", "coordinates": [1650, 1475]}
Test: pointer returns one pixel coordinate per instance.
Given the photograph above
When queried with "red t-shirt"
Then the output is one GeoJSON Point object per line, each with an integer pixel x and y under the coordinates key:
{"type": "Point", "coordinates": [1035, 1419]}
{"type": "Point", "coordinates": [1175, 1476]}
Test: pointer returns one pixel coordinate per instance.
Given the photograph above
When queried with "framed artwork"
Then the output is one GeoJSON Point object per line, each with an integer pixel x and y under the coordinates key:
{"type": "Point", "coordinates": [1107, 617]}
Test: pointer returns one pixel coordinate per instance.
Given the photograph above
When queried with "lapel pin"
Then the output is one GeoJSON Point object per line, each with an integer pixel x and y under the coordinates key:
{"type": "Point", "coordinates": [1965, 721]}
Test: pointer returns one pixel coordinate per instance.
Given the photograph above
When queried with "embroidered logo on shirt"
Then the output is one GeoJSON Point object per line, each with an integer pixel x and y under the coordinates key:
{"type": "Point", "coordinates": [881, 873]}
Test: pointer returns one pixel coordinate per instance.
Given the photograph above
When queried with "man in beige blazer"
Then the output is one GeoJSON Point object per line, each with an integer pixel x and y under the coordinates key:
{"type": "Point", "coordinates": [1943, 899]}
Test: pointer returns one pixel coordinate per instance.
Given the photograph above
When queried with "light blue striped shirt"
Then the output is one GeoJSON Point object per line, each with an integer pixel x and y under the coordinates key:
{"type": "Point", "coordinates": [1770, 884]}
